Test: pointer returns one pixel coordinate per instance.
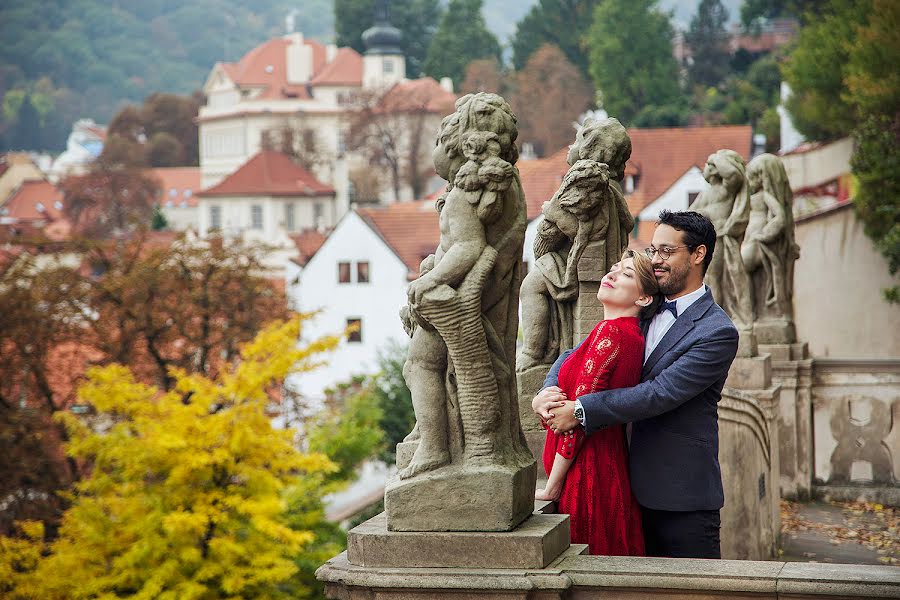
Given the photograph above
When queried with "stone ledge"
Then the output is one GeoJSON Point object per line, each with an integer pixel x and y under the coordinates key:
{"type": "Point", "coordinates": [575, 576]}
{"type": "Point", "coordinates": [537, 542]}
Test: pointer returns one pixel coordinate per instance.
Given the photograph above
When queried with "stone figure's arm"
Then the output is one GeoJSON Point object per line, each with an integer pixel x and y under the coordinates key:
{"type": "Point", "coordinates": [549, 238]}
{"type": "Point", "coordinates": [467, 241]}
{"type": "Point", "coordinates": [775, 225]}
{"type": "Point", "coordinates": [702, 365]}
{"type": "Point", "coordinates": [626, 220]}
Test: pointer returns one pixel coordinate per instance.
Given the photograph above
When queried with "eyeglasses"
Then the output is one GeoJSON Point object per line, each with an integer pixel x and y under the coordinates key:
{"type": "Point", "coordinates": [664, 252]}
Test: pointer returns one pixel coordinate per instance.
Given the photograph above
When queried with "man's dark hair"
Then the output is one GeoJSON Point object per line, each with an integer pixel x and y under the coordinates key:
{"type": "Point", "coordinates": [696, 229]}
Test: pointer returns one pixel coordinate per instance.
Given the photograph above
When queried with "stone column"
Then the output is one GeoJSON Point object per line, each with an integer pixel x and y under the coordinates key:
{"type": "Point", "coordinates": [749, 457]}
{"type": "Point", "coordinates": [588, 310]}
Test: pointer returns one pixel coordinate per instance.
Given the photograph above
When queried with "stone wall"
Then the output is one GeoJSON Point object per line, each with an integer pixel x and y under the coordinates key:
{"type": "Point", "coordinates": [856, 429]}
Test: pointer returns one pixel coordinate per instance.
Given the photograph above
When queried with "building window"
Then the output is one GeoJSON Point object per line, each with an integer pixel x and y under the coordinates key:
{"type": "Point", "coordinates": [343, 272]}
{"type": "Point", "coordinates": [318, 211]}
{"type": "Point", "coordinates": [341, 141]}
{"type": "Point", "coordinates": [362, 272]}
{"type": "Point", "coordinates": [636, 229]}
{"type": "Point", "coordinates": [692, 196]}
{"type": "Point", "coordinates": [256, 217]}
{"type": "Point", "coordinates": [215, 217]}
{"type": "Point", "coordinates": [388, 66]}
{"type": "Point", "coordinates": [289, 216]}
{"type": "Point", "coordinates": [355, 336]}
{"type": "Point", "coordinates": [629, 184]}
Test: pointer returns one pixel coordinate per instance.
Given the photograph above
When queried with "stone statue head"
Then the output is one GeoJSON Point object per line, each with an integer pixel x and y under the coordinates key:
{"type": "Point", "coordinates": [474, 112]}
{"type": "Point", "coordinates": [604, 141]}
{"type": "Point", "coordinates": [766, 172]}
{"type": "Point", "coordinates": [728, 167]}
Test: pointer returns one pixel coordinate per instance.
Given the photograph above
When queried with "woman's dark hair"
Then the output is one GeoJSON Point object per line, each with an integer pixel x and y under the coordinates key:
{"type": "Point", "coordinates": [696, 229]}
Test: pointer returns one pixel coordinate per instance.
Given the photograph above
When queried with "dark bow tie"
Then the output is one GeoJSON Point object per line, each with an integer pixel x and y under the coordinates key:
{"type": "Point", "coordinates": [668, 306]}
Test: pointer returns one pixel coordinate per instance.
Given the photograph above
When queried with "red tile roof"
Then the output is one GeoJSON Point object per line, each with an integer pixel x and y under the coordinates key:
{"type": "Point", "coordinates": [418, 94]}
{"type": "Point", "coordinates": [34, 200]}
{"type": "Point", "coordinates": [410, 229]}
{"type": "Point", "coordinates": [308, 243]}
{"type": "Point", "coordinates": [345, 69]}
{"type": "Point", "coordinates": [269, 173]}
{"type": "Point", "coordinates": [659, 157]}
{"type": "Point", "coordinates": [266, 66]}
{"type": "Point", "coordinates": [185, 181]}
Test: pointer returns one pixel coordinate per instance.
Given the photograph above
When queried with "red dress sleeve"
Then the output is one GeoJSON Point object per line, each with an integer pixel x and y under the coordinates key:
{"type": "Point", "coordinates": [598, 362]}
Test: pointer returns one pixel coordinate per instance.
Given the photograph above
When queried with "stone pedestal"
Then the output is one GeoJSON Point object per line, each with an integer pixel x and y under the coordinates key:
{"type": "Point", "coordinates": [490, 497]}
{"type": "Point", "coordinates": [533, 545]}
{"type": "Point", "coordinates": [530, 382]}
{"type": "Point", "coordinates": [748, 455]}
{"type": "Point", "coordinates": [792, 371]}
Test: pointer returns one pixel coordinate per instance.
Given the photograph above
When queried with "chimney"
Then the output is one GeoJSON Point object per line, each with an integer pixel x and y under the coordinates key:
{"type": "Point", "coordinates": [447, 84]}
{"type": "Point", "coordinates": [330, 52]}
{"type": "Point", "coordinates": [299, 59]}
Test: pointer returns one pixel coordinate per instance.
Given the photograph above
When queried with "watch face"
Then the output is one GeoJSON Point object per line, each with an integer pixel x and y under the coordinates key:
{"type": "Point", "coordinates": [579, 412]}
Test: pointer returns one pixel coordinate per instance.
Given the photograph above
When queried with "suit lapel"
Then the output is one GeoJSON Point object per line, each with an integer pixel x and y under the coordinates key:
{"type": "Point", "coordinates": [680, 328]}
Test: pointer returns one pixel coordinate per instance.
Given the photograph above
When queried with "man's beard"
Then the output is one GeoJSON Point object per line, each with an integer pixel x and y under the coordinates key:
{"type": "Point", "coordinates": [675, 282]}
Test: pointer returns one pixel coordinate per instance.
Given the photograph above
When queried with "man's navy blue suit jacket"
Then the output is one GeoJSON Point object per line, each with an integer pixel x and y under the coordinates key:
{"type": "Point", "coordinates": [674, 452]}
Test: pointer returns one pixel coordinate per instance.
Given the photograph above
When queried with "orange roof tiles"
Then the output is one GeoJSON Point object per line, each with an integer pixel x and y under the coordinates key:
{"type": "Point", "coordinates": [345, 69]}
{"type": "Point", "coordinates": [34, 200]}
{"type": "Point", "coordinates": [418, 94]}
{"type": "Point", "coordinates": [266, 66]}
{"type": "Point", "coordinates": [178, 184]}
{"type": "Point", "coordinates": [269, 173]}
{"type": "Point", "coordinates": [308, 243]}
{"type": "Point", "coordinates": [659, 157]}
{"type": "Point", "coordinates": [410, 229]}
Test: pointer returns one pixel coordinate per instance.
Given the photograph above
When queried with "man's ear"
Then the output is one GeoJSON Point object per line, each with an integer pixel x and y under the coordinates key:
{"type": "Point", "coordinates": [701, 254]}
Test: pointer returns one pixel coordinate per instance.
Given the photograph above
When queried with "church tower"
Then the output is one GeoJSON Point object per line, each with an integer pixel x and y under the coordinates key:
{"type": "Point", "coordinates": [383, 62]}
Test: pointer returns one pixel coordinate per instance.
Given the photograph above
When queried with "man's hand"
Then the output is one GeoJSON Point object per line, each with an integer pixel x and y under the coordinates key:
{"type": "Point", "coordinates": [547, 398]}
{"type": "Point", "coordinates": [562, 419]}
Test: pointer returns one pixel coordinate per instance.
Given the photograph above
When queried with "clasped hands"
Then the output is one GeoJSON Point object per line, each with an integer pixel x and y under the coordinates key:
{"type": "Point", "coordinates": [555, 410]}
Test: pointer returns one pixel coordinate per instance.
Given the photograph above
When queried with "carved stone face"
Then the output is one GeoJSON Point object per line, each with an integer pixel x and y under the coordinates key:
{"type": "Point", "coordinates": [711, 170]}
{"type": "Point", "coordinates": [754, 180]}
{"type": "Point", "coordinates": [441, 161]}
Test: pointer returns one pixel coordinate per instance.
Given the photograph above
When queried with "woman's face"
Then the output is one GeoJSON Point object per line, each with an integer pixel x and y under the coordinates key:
{"type": "Point", "coordinates": [620, 288]}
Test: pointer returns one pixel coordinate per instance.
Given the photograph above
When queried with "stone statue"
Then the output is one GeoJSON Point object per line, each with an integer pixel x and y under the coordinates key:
{"type": "Point", "coordinates": [463, 317]}
{"type": "Point", "coordinates": [727, 204]}
{"type": "Point", "coordinates": [769, 250]}
{"type": "Point", "coordinates": [588, 207]}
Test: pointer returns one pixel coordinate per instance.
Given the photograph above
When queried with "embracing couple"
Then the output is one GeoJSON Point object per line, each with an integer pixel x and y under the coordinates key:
{"type": "Point", "coordinates": [657, 363]}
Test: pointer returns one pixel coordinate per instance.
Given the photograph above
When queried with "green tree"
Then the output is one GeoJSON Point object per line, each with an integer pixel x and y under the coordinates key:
{"type": "Point", "coordinates": [632, 64]}
{"type": "Point", "coordinates": [26, 131]}
{"type": "Point", "coordinates": [461, 38]}
{"type": "Point", "coordinates": [563, 23]}
{"type": "Point", "coordinates": [187, 492]}
{"type": "Point", "coordinates": [417, 19]}
{"type": "Point", "coordinates": [393, 398]}
{"type": "Point", "coordinates": [708, 41]}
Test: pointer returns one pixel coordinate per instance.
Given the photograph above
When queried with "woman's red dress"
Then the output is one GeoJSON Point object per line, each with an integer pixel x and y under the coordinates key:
{"type": "Point", "coordinates": [597, 490]}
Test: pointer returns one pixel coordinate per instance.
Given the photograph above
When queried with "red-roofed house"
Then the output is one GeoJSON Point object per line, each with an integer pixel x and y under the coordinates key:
{"type": "Point", "coordinates": [665, 172]}
{"type": "Point", "coordinates": [360, 275]}
{"type": "Point", "coordinates": [178, 200]}
{"type": "Point", "coordinates": [314, 89]}
{"type": "Point", "coordinates": [35, 205]}
{"type": "Point", "coordinates": [268, 195]}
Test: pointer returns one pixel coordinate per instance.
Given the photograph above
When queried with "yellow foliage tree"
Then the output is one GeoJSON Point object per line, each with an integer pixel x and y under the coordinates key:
{"type": "Point", "coordinates": [188, 492]}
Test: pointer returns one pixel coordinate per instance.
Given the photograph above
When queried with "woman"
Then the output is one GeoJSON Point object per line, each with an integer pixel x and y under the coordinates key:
{"type": "Point", "coordinates": [589, 476]}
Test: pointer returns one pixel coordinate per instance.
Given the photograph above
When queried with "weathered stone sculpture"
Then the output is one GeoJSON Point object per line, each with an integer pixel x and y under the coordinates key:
{"type": "Point", "coordinates": [589, 207]}
{"type": "Point", "coordinates": [470, 470]}
{"type": "Point", "coordinates": [769, 250]}
{"type": "Point", "coordinates": [727, 204]}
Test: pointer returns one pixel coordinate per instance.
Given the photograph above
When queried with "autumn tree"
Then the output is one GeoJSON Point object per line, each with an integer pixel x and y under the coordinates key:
{"type": "Point", "coordinates": [395, 130]}
{"type": "Point", "coordinates": [550, 95]}
{"type": "Point", "coordinates": [632, 63]}
{"type": "Point", "coordinates": [189, 492]}
{"type": "Point", "coordinates": [485, 75]}
{"type": "Point", "coordinates": [109, 201]}
{"type": "Point", "coordinates": [416, 19]}
{"type": "Point", "coordinates": [298, 142]}
{"type": "Point", "coordinates": [563, 23]}
{"type": "Point", "coordinates": [461, 37]}
{"type": "Point", "coordinates": [708, 40]}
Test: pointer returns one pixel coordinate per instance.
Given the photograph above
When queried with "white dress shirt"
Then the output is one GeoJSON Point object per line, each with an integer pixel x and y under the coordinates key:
{"type": "Point", "coordinates": [664, 320]}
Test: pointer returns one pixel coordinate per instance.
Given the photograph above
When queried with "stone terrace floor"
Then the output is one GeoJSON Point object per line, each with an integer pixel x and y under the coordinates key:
{"type": "Point", "coordinates": [840, 532]}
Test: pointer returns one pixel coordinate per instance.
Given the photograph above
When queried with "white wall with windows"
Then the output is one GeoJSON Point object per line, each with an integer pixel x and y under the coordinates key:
{"type": "Point", "coordinates": [677, 197]}
{"type": "Point", "coordinates": [266, 216]}
{"type": "Point", "coordinates": [355, 276]}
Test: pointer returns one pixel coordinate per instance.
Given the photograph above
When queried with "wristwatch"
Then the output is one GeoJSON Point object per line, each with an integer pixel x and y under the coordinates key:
{"type": "Point", "coordinates": [579, 414]}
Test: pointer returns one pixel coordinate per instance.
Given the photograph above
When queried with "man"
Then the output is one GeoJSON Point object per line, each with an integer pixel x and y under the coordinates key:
{"type": "Point", "coordinates": [674, 442]}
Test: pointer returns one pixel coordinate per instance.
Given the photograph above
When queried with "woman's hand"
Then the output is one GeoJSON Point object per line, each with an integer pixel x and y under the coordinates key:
{"type": "Point", "coordinates": [547, 399]}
